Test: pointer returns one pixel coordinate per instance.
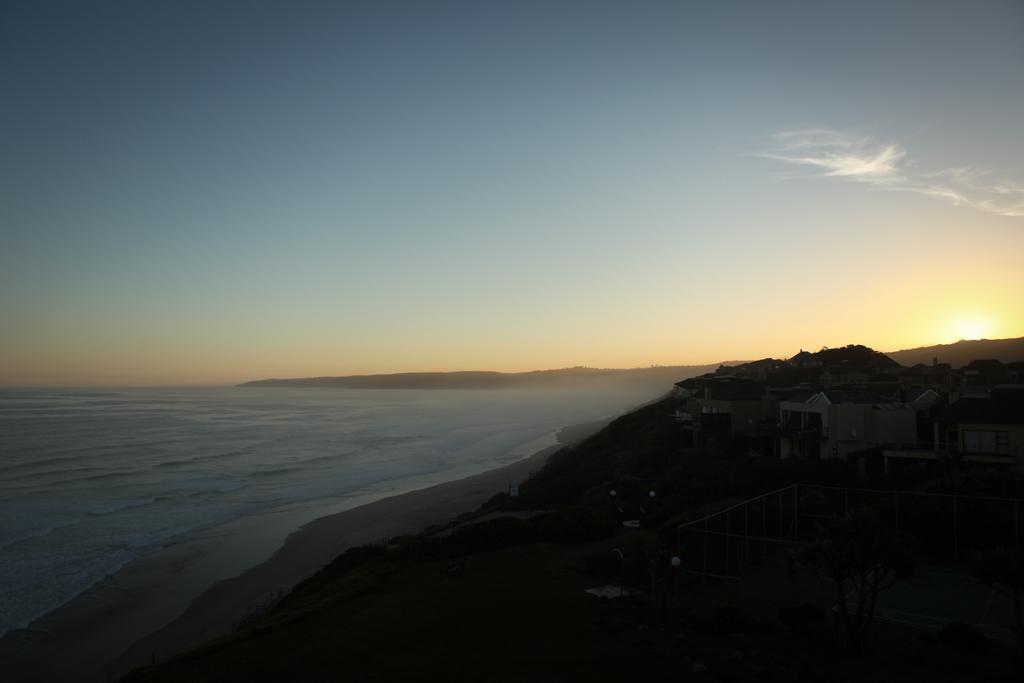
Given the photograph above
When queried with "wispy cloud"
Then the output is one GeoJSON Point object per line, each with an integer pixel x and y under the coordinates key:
{"type": "Point", "coordinates": [837, 154]}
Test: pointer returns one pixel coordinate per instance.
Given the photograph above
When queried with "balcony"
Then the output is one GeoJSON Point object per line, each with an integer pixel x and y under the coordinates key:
{"type": "Point", "coordinates": [798, 432]}
{"type": "Point", "coordinates": [684, 417]}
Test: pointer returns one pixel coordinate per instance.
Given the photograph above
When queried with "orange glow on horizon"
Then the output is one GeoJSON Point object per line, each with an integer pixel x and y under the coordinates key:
{"type": "Point", "coordinates": [155, 366]}
{"type": "Point", "coordinates": [973, 327]}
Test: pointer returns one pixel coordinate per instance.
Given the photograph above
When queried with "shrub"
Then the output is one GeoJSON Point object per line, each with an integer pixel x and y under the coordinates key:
{"type": "Point", "coordinates": [491, 535]}
{"type": "Point", "coordinates": [575, 524]}
{"type": "Point", "coordinates": [342, 564]}
{"type": "Point", "coordinates": [726, 620]}
{"type": "Point", "coordinates": [963, 637]}
{"type": "Point", "coordinates": [801, 619]}
{"type": "Point", "coordinates": [606, 564]}
{"type": "Point", "coordinates": [861, 556]}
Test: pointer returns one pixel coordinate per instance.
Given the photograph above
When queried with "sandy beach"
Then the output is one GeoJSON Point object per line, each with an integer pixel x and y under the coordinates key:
{"type": "Point", "coordinates": [171, 600]}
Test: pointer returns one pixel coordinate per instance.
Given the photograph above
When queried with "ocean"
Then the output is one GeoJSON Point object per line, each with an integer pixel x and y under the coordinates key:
{"type": "Point", "coordinates": [91, 479]}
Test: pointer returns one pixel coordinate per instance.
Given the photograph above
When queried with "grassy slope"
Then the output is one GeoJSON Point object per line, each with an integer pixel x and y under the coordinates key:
{"type": "Point", "coordinates": [512, 612]}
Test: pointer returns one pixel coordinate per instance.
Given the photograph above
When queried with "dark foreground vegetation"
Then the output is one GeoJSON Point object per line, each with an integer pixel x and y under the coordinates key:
{"type": "Point", "coordinates": [501, 597]}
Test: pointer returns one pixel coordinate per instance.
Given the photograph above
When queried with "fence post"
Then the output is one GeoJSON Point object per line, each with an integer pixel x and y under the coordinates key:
{"type": "Point", "coordinates": [728, 538]}
{"type": "Point", "coordinates": [796, 512]}
{"type": "Point", "coordinates": [956, 539]}
{"type": "Point", "coordinates": [1016, 523]}
{"type": "Point", "coordinates": [705, 544]}
{"type": "Point", "coordinates": [764, 526]}
{"type": "Point", "coordinates": [782, 525]}
{"type": "Point", "coordinates": [746, 536]}
{"type": "Point", "coordinates": [764, 516]}
{"type": "Point", "coordinates": [846, 502]}
{"type": "Point", "coordinates": [896, 500]}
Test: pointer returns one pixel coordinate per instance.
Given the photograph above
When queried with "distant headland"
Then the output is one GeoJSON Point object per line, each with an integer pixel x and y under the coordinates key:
{"type": "Point", "coordinates": [495, 380]}
{"type": "Point", "coordinates": [957, 354]}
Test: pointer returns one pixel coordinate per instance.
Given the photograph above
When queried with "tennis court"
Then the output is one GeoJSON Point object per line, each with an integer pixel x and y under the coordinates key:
{"type": "Point", "coordinates": [745, 541]}
{"type": "Point", "coordinates": [937, 596]}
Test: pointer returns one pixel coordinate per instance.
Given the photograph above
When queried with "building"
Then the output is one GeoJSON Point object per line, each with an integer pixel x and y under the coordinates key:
{"type": "Point", "coordinates": [938, 376]}
{"type": "Point", "coordinates": [979, 377]}
{"type": "Point", "coordinates": [722, 407]}
{"type": "Point", "coordinates": [746, 404]}
{"type": "Point", "coordinates": [987, 430]}
{"type": "Point", "coordinates": [836, 423]}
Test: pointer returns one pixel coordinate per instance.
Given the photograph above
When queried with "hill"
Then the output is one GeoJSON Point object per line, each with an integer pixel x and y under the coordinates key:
{"type": "Point", "coordinates": [854, 354]}
{"type": "Point", "coordinates": [958, 355]}
{"type": "Point", "coordinates": [660, 376]}
{"type": "Point", "coordinates": [504, 598]}
{"type": "Point", "coordinates": [963, 352]}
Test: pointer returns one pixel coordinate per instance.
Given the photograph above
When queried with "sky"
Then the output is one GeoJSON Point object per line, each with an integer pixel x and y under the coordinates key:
{"type": "Point", "coordinates": [211, 192]}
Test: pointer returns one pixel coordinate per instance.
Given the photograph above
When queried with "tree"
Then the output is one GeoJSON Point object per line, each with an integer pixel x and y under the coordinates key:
{"type": "Point", "coordinates": [861, 556]}
{"type": "Point", "coordinates": [1002, 568]}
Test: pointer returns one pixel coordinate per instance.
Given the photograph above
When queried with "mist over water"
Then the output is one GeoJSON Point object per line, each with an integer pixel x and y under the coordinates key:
{"type": "Point", "coordinates": [92, 479]}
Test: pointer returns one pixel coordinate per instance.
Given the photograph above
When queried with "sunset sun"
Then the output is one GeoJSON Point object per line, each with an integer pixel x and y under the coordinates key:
{"type": "Point", "coordinates": [973, 327]}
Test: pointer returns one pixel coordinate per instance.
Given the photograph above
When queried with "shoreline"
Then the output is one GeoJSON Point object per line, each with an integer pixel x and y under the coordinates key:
{"type": "Point", "coordinates": [181, 595]}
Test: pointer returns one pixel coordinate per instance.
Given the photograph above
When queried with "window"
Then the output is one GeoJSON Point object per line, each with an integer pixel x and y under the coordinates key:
{"type": "Point", "coordinates": [979, 441]}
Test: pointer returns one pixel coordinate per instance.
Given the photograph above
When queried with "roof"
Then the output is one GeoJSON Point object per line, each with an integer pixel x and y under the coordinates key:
{"type": "Point", "coordinates": [922, 369]}
{"type": "Point", "coordinates": [697, 382]}
{"type": "Point", "coordinates": [1008, 392]}
{"type": "Point", "coordinates": [862, 396]}
{"type": "Point", "coordinates": [916, 394]}
{"type": "Point", "coordinates": [1004, 407]}
{"type": "Point", "coordinates": [793, 394]}
{"type": "Point", "coordinates": [985, 365]}
{"type": "Point", "coordinates": [892, 406]}
{"type": "Point", "coordinates": [737, 390]}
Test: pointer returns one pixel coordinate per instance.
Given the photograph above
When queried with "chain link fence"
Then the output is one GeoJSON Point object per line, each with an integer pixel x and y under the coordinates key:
{"type": "Point", "coordinates": [942, 528]}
